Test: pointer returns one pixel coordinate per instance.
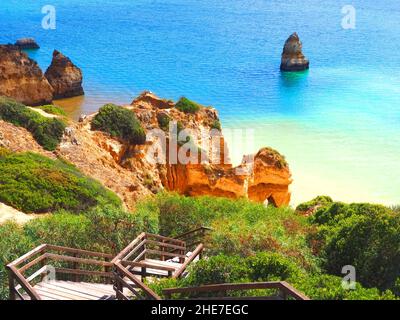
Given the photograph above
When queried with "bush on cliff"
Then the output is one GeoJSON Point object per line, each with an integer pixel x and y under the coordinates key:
{"type": "Point", "coordinates": [46, 131]}
{"type": "Point", "coordinates": [52, 109]}
{"type": "Point", "coordinates": [119, 122]}
{"type": "Point", "coordinates": [365, 236]}
{"type": "Point", "coordinates": [187, 106]}
{"type": "Point", "coordinates": [32, 183]}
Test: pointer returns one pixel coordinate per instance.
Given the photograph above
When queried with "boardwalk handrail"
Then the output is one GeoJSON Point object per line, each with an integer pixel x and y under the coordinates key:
{"type": "Point", "coordinates": [285, 289]}
{"type": "Point", "coordinates": [120, 273]}
{"type": "Point", "coordinates": [155, 246]}
{"type": "Point", "coordinates": [41, 255]}
{"type": "Point", "coordinates": [194, 237]}
{"type": "Point", "coordinates": [196, 253]}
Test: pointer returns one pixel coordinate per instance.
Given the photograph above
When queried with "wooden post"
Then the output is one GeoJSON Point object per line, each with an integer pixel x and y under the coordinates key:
{"type": "Point", "coordinates": [75, 267]}
{"type": "Point", "coordinates": [143, 273]}
{"type": "Point", "coordinates": [11, 285]}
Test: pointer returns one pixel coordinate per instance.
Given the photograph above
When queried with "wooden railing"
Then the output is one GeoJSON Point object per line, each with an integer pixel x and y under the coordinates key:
{"type": "Point", "coordinates": [284, 289]}
{"type": "Point", "coordinates": [73, 264]}
{"type": "Point", "coordinates": [134, 261]}
{"type": "Point", "coordinates": [194, 237]}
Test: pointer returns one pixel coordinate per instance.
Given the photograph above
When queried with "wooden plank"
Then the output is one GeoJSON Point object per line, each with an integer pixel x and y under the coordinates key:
{"type": "Point", "coordinates": [172, 240]}
{"type": "Point", "coordinates": [58, 257]}
{"type": "Point", "coordinates": [135, 249]}
{"type": "Point", "coordinates": [163, 253]}
{"type": "Point", "coordinates": [84, 272]}
{"type": "Point", "coordinates": [24, 284]}
{"type": "Point", "coordinates": [125, 251]}
{"type": "Point", "coordinates": [98, 291]}
{"type": "Point", "coordinates": [144, 264]}
{"type": "Point", "coordinates": [195, 253]}
{"type": "Point", "coordinates": [150, 293]}
{"type": "Point", "coordinates": [32, 263]}
{"type": "Point", "coordinates": [166, 245]}
{"type": "Point", "coordinates": [80, 251]}
{"type": "Point", "coordinates": [289, 290]}
{"type": "Point", "coordinates": [28, 255]}
{"type": "Point", "coordinates": [33, 276]}
{"type": "Point", "coordinates": [76, 293]}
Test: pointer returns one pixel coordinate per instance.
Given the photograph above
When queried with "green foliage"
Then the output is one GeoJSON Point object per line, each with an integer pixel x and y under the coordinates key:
{"type": "Point", "coordinates": [46, 131]}
{"type": "Point", "coordinates": [187, 106]}
{"type": "Point", "coordinates": [163, 121]}
{"type": "Point", "coordinates": [52, 109]}
{"type": "Point", "coordinates": [119, 122]}
{"type": "Point", "coordinates": [363, 235]}
{"type": "Point", "coordinates": [216, 125]}
{"type": "Point", "coordinates": [240, 227]}
{"type": "Point", "coordinates": [33, 183]}
{"type": "Point", "coordinates": [320, 201]}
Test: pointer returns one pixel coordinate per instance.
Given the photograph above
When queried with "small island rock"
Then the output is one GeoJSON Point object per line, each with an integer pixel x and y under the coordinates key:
{"type": "Point", "coordinates": [27, 43]}
{"type": "Point", "coordinates": [293, 58]}
{"type": "Point", "coordinates": [64, 77]}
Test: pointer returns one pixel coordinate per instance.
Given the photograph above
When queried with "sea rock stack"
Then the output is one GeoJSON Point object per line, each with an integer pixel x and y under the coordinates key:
{"type": "Point", "coordinates": [293, 58]}
{"type": "Point", "coordinates": [64, 77]}
{"type": "Point", "coordinates": [27, 43]}
{"type": "Point", "coordinates": [21, 78]}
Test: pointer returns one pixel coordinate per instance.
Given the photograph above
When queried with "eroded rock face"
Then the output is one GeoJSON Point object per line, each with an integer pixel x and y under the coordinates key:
{"type": "Point", "coordinates": [27, 43]}
{"type": "Point", "coordinates": [293, 58]}
{"type": "Point", "coordinates": [64, 77]}
{"type": "Point", "coordinates": [22, 79]}
{"type": "Point", "coordinates": [127, 170]}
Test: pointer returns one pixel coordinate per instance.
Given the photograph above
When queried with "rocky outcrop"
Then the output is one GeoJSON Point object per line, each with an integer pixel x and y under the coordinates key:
{"type": "Point", "coordinates": [27, 43]}
{"type": "Point", "coordinates": [64, 77]}
{"type": "Point", "coordinates": [293, 58]}
{"type": "Point", "coordinates": [22, 79]}
{"type": "Point", "coordinates": [127, 170]}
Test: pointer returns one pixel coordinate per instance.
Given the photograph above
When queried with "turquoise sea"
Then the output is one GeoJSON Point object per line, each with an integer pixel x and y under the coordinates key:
{"type": "Point", "coordinates": [337, 124]}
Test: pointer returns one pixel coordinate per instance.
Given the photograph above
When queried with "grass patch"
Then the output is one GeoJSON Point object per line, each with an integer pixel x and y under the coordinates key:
{"type": "Point", "coordinates": [120, 123]}
{"type": "Point", "coordinates": [46, 131]}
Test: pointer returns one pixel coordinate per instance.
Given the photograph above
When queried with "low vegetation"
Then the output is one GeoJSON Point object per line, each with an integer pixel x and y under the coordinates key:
{"type": "Point", "coordinates": [52, 109]}
{"type": "Point", "coordinates": [248, 242]}
{"type": "Point", "coordinates": [187, 106]}
{"type": "Point", "coordinates": [35, 184]}
{"type": "Point", "coordinates": [120, 123]}
{"type": "Point", "coordinates": [46, 131]}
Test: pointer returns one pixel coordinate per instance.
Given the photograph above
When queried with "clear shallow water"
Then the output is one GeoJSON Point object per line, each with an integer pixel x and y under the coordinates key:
{"type": "Point", "coordinates": [338, 124]}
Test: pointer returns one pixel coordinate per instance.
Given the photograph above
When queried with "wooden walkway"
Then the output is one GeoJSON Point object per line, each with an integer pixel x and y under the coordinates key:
{"type": "Point", "coordinates": [68, 290]}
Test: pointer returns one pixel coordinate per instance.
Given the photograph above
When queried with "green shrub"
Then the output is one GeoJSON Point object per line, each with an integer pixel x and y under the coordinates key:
{"type": "Point", "coordinates": [363, 235]}
{"type": "Point", "coordinates": [320, 201]}
{"type": "Point", "coordinates": [163, 121]}
{"type": "Point", "coordinates": [32, 183]}
{"type": "Point", "coordinates": [52, 109]}
{"type": "Point", "coordinates": [216, 125]}
{"type": "Point", "coordinates": [187, 106]}
{"type": "Point", "coordinates": [119, 122]}
{"type": "Point", "coordinates": [46, 131]}
{"type": "Point", "coordinates": [267, 266]}
{"type": "Point", "coordinates": [218, 269]}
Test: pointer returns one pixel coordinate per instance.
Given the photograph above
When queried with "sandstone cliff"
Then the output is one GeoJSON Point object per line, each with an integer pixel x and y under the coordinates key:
{"type": "Point", "coordinates": [293, 58]}
{"type": "Point", "coordinates": [127, 170]}
{"type": "Point", "coordinates": [21, 78]}
{"type": "Point", "coordinates": [64, 77]}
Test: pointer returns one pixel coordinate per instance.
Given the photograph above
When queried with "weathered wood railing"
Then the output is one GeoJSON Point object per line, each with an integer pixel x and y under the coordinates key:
{"type": "Point", "coordinates": [137, 259]}
{"type": "Point", "coordinates": [62, 262]}
{"type": "Point", "coordinates": [284, 289]}
{"type": "Point", "coordinates": [194, 237]}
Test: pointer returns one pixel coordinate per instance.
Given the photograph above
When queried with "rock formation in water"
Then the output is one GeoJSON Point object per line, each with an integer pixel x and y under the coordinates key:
{"type": "Point", "coordinates": [293, 58]}
{"type": "Point", "coordinates": [21, 78]}
{"type": "Point", "coordinates": [27, 43]}
{"type": "Point", "coordinates": [64, 77]}
{"type": "Point", "coordinates": [126, 169]}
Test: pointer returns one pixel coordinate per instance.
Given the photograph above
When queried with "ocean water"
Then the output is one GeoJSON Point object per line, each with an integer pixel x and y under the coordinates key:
{"type": "Point", "coordinates": [338, 124]}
